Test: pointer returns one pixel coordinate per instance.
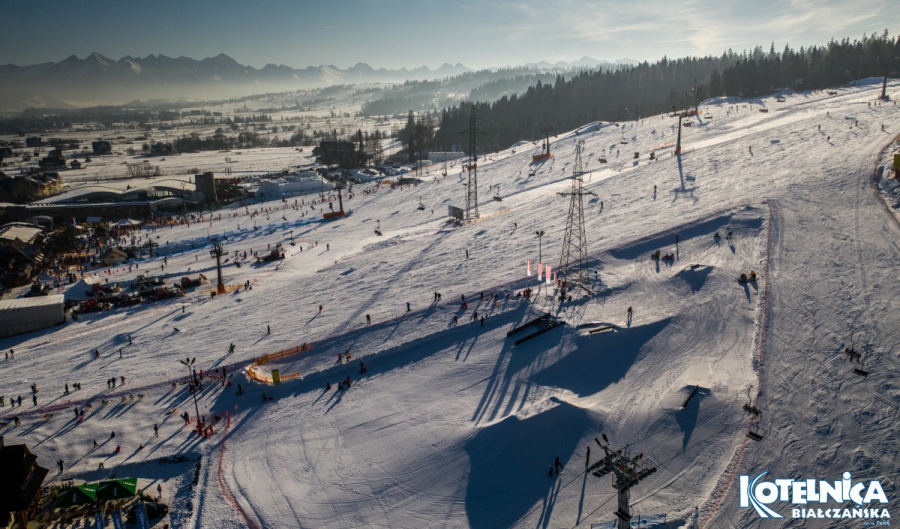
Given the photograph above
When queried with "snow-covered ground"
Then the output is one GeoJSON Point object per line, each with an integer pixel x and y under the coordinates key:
{"type": "Point", "coordinates": [454, 425]}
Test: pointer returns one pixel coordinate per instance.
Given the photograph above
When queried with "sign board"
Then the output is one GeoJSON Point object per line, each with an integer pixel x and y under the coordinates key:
{"type": "Point", "coordinates": [98, 521]}
{"type": "Point", "coordinates": [276, 376]}
{"type": "Point", "coordinates": [141, 514]}
{"type": "Point", "coordinates": [117, 519]}
{"type": "Point", "coordinates": [456, 213]}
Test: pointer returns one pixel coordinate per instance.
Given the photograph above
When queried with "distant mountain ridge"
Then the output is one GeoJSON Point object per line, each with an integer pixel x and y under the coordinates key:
{"type": "Point", "coordinates": [97, 80]}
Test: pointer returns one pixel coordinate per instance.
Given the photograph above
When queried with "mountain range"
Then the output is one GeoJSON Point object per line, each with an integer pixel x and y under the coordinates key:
{"type": "Point", "coordinates": [99, 80]}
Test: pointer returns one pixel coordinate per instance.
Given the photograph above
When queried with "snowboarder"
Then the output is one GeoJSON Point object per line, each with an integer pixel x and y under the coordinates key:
{"type": "Point", "coordinates": [347, 354]}
{"type": "Point", "coordinates": [729, 236]}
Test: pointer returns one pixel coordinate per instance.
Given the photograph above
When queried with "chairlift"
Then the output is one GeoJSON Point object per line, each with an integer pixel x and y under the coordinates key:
{"type": "Point", "coordinates": [755, 432]}
{"type": "Point", "coordinates": [497, 196]}
{"type": "Point", "coordinates": [421, 205]}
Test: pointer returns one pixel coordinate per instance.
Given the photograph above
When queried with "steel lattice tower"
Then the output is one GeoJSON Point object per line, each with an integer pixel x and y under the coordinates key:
{"type": "Point", "coordinates": [472, 194]}
{"type": "Point", "coordinates": [573, 262]}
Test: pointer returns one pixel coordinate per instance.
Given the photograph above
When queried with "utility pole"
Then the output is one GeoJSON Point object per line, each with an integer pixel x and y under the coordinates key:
{"type": "Point", "coordinates": [627, 472]}
{"type": "Point", "coordinates": [573, 261]}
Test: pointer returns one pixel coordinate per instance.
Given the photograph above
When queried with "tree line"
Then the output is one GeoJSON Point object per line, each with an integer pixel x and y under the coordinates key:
{"type": "Point", "coordinates": [653, 88]}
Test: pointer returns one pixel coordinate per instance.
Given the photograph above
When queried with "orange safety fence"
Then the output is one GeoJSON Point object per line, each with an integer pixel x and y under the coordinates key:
{"type": "Point", "coordinates": [269, 357]}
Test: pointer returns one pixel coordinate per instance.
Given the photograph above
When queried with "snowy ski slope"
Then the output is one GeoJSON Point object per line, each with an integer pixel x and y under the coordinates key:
{"type": "Point", "coordinates": [453, 425]}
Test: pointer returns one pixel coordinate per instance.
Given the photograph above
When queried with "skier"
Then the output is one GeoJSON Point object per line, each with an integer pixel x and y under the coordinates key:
{"type": "Point", "coordinates": [231, 348]}
{"type": "Point", "coordinates": [59, 464]}
{"type": "Point", "coordinates": [159, 490]}
{"type": "Point", "coordinates": [587, 462]}
{"type": "Point", "coordinates": [348, 356]}
{"type": "Point", "coordinates": [96, 353]}
{"type": "Point", "coordinates": [629, 313]}
{"type": "Point", "coordinates": [467, 254]}
{"type": "Point", "coordinates": [557, 464]}
{"type": "Point", "coordinates": [320, 309]}
{"type": "Point", "coordinates": [368, 320]}
{"type": "Point", "coordinates": [408, 308]}
{"type": "Point", "coordinates": [268, 330]}
{"type": "Point", "coordinates": [549, 474]}
{"type": "Point", "coordinates": [67, 388]}
{"type": "Point", "coordinates": [340, 358]}
{"type": "Point", "coordinates": [155, 430]}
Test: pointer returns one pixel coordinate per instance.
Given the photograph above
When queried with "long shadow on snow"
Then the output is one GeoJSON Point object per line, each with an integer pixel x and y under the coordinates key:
{"type": "Point", "coordinates": [695, 278]}
{"type": "Point", "coordinates": [687, 417]}
{"type": "Point", "coordinates": [518, 452]}
{"type": "Point", "coordinates": [599, 360]}
{"type": "Point", "coordinates": [643, 247]}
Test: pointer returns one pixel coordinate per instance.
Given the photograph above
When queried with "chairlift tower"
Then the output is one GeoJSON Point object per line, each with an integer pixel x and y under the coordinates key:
{"type": "Point", "coordinates": [627, 472]}
{"type": "Point", "coordinates": [218, 251]}
{"type": "Point", "coordinates": [573, 261]}
{"type": "Point", "coordinates": [680, 116]}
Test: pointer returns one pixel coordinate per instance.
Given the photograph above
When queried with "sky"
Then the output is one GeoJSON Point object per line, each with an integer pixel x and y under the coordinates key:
{"type": "Point", "coordinates": [412, 33]}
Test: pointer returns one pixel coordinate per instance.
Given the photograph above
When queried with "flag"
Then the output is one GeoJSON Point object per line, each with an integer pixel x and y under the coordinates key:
{"type": "Point", "coordinates": [540, 271]}
{"type": "Point", "coordinates": [529, 268]}
{"type": "Point", "coordinates": [548, 273]}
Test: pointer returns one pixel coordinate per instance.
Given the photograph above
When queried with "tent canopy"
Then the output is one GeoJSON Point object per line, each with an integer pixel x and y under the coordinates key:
{"type": "Point", "coordinates": [76, 495]}
{"type": "Point", "coordinates": [117, 489]}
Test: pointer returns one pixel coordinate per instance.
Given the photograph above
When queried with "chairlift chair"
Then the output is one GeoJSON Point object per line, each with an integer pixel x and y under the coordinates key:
{"type": "Point", "coordinates": [755, 432]}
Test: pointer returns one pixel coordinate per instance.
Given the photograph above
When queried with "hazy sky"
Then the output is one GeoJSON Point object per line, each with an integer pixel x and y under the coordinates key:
{"type": "Point", "coordinates": [396, 33]}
